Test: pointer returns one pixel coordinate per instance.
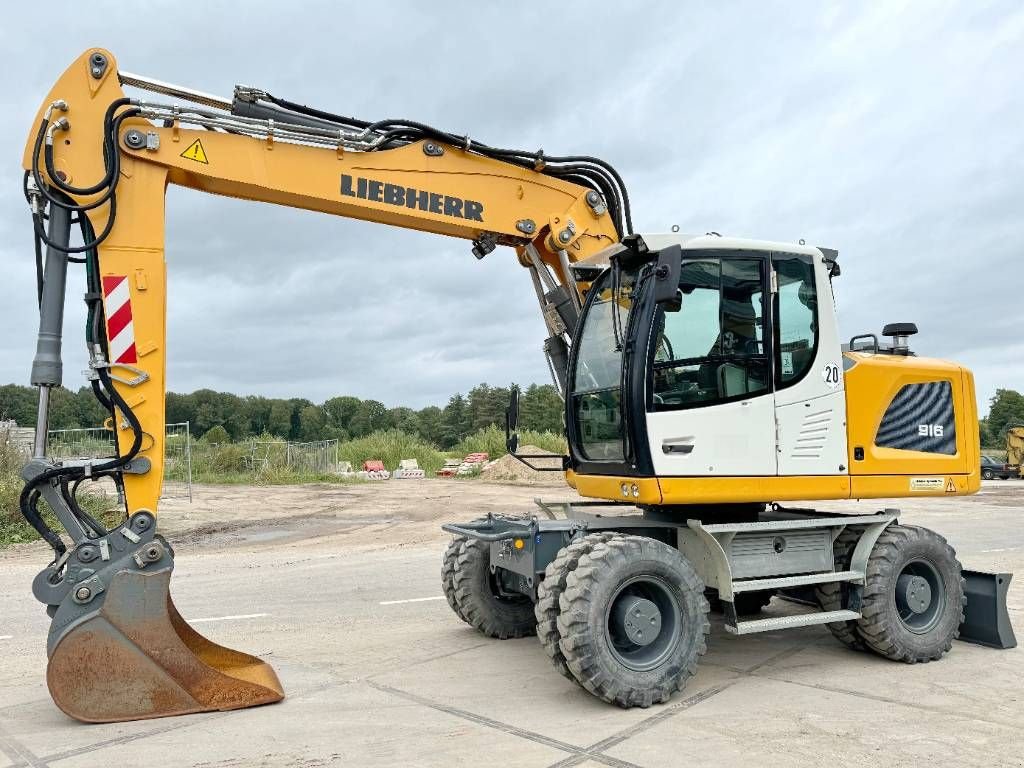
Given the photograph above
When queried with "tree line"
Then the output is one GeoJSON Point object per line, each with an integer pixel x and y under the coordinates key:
{"type": "Point", "coordinates": [299, 419]}
{"type": "Point", "coordinates": [1006, 409]}
{"type": "Point", "coordinates": [348, 417]}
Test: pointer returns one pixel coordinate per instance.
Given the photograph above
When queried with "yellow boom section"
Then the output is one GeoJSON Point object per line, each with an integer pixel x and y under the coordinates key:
{"type": "Point", "coordinates": [424, 185]}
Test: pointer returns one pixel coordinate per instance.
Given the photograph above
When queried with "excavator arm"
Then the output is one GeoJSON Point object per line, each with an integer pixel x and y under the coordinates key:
{"type": "Point", "coordinates": [118, 648]}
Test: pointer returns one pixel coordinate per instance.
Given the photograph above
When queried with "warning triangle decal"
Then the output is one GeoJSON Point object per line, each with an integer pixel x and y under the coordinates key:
{"type": "Point", "coordinates": [196, 152]}
{"type": "Point", "coordinates": [950, 486]}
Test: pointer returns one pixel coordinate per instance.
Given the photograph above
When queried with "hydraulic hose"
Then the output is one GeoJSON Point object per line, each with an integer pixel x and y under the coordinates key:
{"type": "Point", "coordinates": [110, 398]}
{"type": "Point", "coordinates": [112, 162]}
{"type": "Point", "coordinates": [598, 174]}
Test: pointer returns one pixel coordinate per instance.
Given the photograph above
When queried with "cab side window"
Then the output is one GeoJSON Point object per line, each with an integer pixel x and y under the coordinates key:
{"type": "Point", "coordinates": [797, 318]}
{"type": "Point", "coordinates": [713, 349]}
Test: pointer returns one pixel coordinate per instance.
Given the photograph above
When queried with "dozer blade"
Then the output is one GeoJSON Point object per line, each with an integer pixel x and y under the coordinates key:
{"type": "Point", "coordinates": [136, 658]}
{"type": "Point", "coordinates": [119, 649]}
{"type": "Point", "coordinates": [986, 620]}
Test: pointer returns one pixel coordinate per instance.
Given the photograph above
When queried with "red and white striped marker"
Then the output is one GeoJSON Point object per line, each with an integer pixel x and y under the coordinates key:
{"type": "Point", "coordinates": [120, 331]}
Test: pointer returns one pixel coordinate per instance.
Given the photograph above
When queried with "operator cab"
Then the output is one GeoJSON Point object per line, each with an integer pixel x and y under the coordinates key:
{"type": "Point", "coordinates": [740, 375]}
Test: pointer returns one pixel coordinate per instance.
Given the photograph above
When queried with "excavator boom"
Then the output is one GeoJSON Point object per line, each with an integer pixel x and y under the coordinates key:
{"type": "Point", "coordinates": [118, 648]}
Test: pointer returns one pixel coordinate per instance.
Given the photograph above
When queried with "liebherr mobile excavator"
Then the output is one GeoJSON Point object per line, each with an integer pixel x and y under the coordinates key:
{"type": "Point", "coordinates": [704, 380]}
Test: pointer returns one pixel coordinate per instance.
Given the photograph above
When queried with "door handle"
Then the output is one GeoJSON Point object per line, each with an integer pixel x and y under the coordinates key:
{"type": "Point", "coordinates": [679, 445]}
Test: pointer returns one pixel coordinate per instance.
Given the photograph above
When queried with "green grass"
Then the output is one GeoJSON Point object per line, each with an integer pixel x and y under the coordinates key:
{"type": "Point", "coordinates": [392, 446]}
{"type": "Point", "coordinates": [491, 440]}
{"type": "Point", "coordinates": [239, 464]}
{"type": "Point", "coordinates": [267, 463]}
{"type": "Point", "coordinates": [14, 529]}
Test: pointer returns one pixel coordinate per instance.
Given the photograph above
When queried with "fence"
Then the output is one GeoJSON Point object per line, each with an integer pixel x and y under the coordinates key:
{"type": "Point", "coordinates": [316, 458]}
{"type": "Point", "coordinates": [98, 442]}
{"type": "Point", "coordinates": [178, 462]}
{"type": "Point", "coordinates": [19, 438]}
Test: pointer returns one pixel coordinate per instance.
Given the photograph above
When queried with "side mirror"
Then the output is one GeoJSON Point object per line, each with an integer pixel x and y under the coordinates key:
{"type": "Point", "coordinates": [512, 421]}
{"type": "Point", "coordinates": [666, 278]}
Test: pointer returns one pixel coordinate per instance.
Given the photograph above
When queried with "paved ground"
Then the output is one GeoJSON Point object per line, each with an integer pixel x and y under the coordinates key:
{"type": "Point", "coordinates": [318, 588]}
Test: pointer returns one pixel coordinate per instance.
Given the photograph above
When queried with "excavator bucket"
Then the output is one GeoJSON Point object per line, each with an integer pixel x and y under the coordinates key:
{"type": "Point", "coordinates": [119, 650]}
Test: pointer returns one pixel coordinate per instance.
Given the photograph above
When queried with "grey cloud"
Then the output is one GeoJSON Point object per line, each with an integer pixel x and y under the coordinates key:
{"type": "Point", "coordinates": [888, 131]}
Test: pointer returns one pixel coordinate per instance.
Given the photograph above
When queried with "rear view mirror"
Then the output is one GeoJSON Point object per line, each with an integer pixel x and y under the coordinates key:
{"type": "Point", "coordinates": [666, 278]}
{"type": "Point", "coordinates": [512, 421]}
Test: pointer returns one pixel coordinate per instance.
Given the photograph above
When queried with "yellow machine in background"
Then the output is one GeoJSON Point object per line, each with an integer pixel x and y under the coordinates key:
{"type": "Point", "coordinates": [1015, 448]}
{"type": "Point", "coordinates": [704, 381]}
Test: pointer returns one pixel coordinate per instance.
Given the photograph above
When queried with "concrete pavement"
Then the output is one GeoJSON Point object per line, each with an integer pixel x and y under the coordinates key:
{"type": "Point", "coordinates": [378, 672]}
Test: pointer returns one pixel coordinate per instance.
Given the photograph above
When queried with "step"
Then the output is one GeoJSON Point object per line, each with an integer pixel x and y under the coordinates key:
{"type": "Point", "coordinates": [784, 582]}
{"type": "Point", "coordinates": [789, 622]}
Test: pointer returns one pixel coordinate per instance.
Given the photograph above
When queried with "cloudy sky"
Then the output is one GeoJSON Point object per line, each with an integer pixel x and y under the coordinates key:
{"type": "Point", "coordinates": [891, 131]}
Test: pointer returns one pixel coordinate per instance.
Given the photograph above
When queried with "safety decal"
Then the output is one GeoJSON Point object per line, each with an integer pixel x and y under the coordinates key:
{"type": "Point", "coordinates": [951, 486]}
{"type": "Point", "coordinates": [927, 483]}
{"type": "Point", "coordinates": [196, 152]}
{"type": "Point", "coordinates": [120, 331]}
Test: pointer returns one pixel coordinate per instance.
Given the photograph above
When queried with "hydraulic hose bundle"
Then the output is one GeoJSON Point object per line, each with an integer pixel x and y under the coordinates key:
{"type": "Point", "coordinates": [39, 194]}
{"type": "Point", "coordinates": [580, 169]}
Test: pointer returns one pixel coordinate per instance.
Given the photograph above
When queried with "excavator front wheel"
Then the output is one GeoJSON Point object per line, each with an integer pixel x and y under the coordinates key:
{"type": "Point", "coordinates": [633, 621]}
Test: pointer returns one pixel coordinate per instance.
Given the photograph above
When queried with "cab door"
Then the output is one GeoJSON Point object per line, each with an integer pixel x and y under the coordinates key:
{"type": "Point", "coordinates": [809, 384]}
{"type": "Point", "coordinates": [712, 409]}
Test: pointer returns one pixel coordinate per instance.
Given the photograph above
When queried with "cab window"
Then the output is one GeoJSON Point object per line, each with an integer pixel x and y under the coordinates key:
{"type": "Point", "coordinates": [797, 317]}
{"type": "Point", "coordinates": [596, 387]}
{"type": "Point", "coordinates": [713, 349]}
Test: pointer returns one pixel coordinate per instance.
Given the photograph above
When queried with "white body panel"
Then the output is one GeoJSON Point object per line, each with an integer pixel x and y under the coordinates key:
{"type": "Point", "coordinates": [812, 435]}
{"type": "Point", "coordinates": [727, 439]}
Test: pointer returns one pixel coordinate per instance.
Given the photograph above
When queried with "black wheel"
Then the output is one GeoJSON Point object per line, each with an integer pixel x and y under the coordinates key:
{"type": "Point", "coordinates": [832, 597]}
{"type": "Point", "coordinates": [914, 596]}
{"type": "Point", "coordinates": [750, 603]}
{"type": "Point", "coordinates": [745, 603]}
{"type": "Point", "coordinates": [550, 590]}
{"type": "Point", "coordinates": [633, 621]}
{"type": "Point", "coordinates": [986, 474]}
{"type": "Point", "coordinates": [482, 603]}
{"type": "Point", "coordinates": [449, 561]}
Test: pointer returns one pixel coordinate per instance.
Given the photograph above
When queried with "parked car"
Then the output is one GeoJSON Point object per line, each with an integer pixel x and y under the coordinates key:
{"type": "Point", "coordinates": [990, 468]}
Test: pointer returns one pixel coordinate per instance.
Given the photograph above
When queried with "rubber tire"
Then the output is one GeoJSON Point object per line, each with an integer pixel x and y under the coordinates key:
{"type": "Point", "coordinates": [832, 597]}
{"type": "Point", "coordinates": [745, 603]}
{"type": "Point", "coordinates": [547, 608]}
{"type": "Point", "coordinates": [493, 616]}
{"type": "Point", "coordinates": [879, 625]}
{"type": "Point", "coordinates": [986, 474]}
{"type": "Point", "coordinates": [449, 561]}
{"type": "Point", "coordinates": [582, 619]}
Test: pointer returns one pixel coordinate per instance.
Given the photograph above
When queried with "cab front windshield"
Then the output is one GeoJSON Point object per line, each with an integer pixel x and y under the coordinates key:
{"type": "Point", "coordinates": [597, 378]}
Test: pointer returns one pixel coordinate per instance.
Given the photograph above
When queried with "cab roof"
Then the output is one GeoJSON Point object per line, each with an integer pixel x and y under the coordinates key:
{"type": "Point", "coordinates": [658, 240]}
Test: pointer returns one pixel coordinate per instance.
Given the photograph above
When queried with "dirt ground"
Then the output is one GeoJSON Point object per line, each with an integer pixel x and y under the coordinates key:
{"type": "Point", "coordinates": [376, 515]}
{"type": "Point", "coordinates": [338, 587]}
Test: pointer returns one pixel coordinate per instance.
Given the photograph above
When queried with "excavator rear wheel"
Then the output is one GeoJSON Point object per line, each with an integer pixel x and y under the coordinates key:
{"type": "Point", "coordinates": [481, 602]}
{"type": "Point", "coordinates": [633, 621]}
{"type": "Point", "coordinates": [547, 608]}
{"type": "Point", "coordinates": [832, 596]}
{"type": "Point", "coordinates": [913, 597]}
{"type": "Point", "coordinates": [745, 603]}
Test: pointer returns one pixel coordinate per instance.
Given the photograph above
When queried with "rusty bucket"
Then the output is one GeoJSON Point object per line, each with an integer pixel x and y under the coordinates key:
{"type": "Point", "coordinates": [136, 658]}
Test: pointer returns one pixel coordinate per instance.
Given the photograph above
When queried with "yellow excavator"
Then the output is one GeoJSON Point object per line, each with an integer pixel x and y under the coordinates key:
{"type": "Point", "coordinates": [704, 380]}
{"type": "Point", "coordinates": [1015, 448]}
